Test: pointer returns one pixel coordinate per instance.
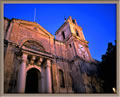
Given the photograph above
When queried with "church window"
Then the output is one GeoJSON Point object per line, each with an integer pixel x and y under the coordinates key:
{"type": "Point", "coordinates": [73, 21]}
{"type": "Point", "coordinates": [70, 45]}
{"type": "Point", "coordinates": [61, 78]}
{"type": "Point", "coordinates": [63, 34]}
{"type": "Point", "coordinates": [77, 33]}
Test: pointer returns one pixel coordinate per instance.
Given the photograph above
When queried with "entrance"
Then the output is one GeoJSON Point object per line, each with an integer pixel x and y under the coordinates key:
{"type": "Point", "coordinates": [32, 81]}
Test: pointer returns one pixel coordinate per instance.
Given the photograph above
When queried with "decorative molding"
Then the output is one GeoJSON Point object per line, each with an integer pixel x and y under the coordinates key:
{"type": "Point", "coordinates": [33, 66]}
{"type": "Point", "coordinates": [33, 45]}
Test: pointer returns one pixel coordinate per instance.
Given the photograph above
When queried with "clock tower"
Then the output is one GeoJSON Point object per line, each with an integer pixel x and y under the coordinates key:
{"type": "Point", "coordinates": [72, 35]}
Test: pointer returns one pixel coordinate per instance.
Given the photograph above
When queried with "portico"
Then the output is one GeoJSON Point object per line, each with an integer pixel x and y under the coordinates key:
{"type": "Point", "coordinates": [38, 62]}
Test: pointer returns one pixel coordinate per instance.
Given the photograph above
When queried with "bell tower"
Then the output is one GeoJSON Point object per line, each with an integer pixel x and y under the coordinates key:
{"type": "Point", "coordinates": [72, 35]}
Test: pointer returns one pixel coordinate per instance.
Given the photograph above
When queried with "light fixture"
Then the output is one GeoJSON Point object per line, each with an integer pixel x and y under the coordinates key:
{"type": "Point", "coordinates": [114, 90]}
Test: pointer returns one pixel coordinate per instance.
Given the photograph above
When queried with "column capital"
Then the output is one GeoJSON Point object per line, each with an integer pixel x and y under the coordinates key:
{"type": "Point", "coordinates": [48, 63]}
{"type": "Point", "coordinates": [24, 57]}
{"type": "Point", "coordinates": [32, 60]}
{"type": "Point", "coordinates": [40, 61]}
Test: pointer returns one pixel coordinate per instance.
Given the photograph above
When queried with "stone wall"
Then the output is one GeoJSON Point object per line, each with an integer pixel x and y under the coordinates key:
{"type": "Point", "coordinates": [66, 30]}
{"type": "Point", "coordinates": [8, 66]}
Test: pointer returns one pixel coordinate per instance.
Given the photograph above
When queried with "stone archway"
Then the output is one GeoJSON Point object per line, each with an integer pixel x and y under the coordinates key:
{"type": "Point", "coordinates": [32, 81]}
{"type": "Point", "coordinates": [32, 56]}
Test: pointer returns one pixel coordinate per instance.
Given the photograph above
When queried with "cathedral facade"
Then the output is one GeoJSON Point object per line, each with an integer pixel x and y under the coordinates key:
{"type": "Point", "coordinates": [37, 62]}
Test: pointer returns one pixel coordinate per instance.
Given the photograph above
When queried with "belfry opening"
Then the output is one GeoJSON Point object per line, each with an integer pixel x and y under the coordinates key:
{"type": "Point", "coordinates": [32, 81]}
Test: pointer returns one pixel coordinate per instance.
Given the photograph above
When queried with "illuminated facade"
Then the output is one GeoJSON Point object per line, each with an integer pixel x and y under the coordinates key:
{"type": "Point", "coordinates": [36, 62]}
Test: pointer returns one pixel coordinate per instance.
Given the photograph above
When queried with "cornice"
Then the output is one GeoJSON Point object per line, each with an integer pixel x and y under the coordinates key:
{"type": "Point", "coordinates": [78, 38]}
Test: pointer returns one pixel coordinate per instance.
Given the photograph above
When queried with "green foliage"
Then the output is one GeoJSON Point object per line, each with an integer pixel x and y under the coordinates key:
{"type": "Point", "coordinates": [108, 67]}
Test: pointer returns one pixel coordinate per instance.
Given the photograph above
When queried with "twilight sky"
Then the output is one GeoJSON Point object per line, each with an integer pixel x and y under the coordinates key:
{"type": "Point", "coordinates": [97, 20]}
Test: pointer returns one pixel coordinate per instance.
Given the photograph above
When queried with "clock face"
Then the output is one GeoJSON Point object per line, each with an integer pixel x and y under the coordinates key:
{"type": "Point", "coordinates": [81, 48]}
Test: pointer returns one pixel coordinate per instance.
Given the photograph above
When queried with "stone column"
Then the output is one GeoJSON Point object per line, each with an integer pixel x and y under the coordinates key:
{"type": "Point", "coordinates": [48, 77]}
{"type": "Point", "coordinates": [22, 75]}
{"type": "Point", "coordinates": [39, 84]}
{"type": "Point", "coordinates": [42, 84]}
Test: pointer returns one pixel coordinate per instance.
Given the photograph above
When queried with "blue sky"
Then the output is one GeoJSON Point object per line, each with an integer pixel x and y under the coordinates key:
{"type": "Point", "coordinates": [97, 20]}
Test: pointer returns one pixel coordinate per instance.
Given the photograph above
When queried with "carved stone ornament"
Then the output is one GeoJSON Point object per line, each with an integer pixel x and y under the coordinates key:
{"type": "Point", "coordinates": [33, 45]}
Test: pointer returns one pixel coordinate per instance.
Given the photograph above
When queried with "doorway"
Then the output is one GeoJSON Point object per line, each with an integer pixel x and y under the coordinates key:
{"type": "Point", "coordinates": [32, 81]}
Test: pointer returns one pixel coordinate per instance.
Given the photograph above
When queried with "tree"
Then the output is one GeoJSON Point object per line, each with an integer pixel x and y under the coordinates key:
{"type": "Point", "coordinates": [108, 67]}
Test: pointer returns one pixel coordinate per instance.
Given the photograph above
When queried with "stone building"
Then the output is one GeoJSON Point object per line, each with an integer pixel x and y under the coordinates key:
{"type": "Point", "coordinates": [37, 62]}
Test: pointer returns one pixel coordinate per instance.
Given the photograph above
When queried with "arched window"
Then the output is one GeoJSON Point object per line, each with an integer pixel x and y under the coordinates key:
{"type": "Point", "coordinates": [70, 80]}
{"type": "Point", "coordinates": [63, 34]}
{"type": "Point", "coordinates": [61, 79]}
{"type": "Point", "coordinates": [77, 33]}
{"type": "Point", "coordinates": [73, 21]}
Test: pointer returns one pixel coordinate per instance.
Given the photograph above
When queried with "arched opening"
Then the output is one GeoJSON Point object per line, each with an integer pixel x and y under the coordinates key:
{"type": "Point", "coordinates": [77, 33]}
{"type": "Point", "coordinates": [61, 78]}
{"type": "Point", "coordinates": [63, 34]}
{"type": "Point", "coordinates": [32, 81]}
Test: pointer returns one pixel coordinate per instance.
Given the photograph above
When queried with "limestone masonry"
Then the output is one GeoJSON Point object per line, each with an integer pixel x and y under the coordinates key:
{"type": "Point", "coordinates": [37, 62]}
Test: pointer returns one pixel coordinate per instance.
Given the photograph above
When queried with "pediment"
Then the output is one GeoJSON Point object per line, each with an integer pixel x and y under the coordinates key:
{"type": "Point", "coordinates": [36, 28]}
